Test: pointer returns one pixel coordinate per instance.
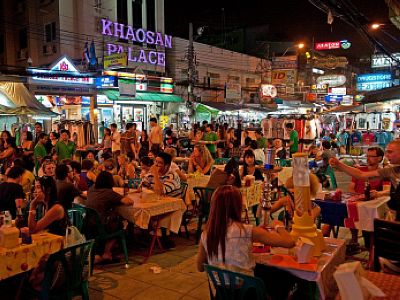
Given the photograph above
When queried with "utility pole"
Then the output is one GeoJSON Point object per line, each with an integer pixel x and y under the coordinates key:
{"type": "Point", "coordinates": [190, 64]}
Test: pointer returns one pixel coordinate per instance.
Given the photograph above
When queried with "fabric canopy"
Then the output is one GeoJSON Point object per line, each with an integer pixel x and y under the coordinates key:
{"type": "Point", "coordinates": [140, 96]}
{"type": "Point", "coordinates": [201, 108]}
{"type": "Point", "coordinates": [382, 95]}
{"type": "Point", "coordinates": [22, 101]}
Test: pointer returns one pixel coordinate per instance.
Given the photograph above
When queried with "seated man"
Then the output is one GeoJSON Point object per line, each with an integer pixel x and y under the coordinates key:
{"type": "Point", "coordinates": [161, 179]}
{"type": "Point", "coordinates": [322, 160]}
{"type": "Point", "coordinates": [11, 190]}
{"type": "Point", "coordinates": [374, 158]}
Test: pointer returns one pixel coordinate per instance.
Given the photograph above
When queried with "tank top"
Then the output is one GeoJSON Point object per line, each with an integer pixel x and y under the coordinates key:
{"type": "Point", "coordinates": [238, 248]}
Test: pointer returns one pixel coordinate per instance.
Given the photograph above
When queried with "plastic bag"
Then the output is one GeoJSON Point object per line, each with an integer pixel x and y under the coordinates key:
{"type": "Point", "coordinates": [73, 237]}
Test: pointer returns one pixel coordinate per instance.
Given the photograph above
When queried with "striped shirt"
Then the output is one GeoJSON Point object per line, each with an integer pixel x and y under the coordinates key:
{"type": "Point", "coordinates": [170, 180]}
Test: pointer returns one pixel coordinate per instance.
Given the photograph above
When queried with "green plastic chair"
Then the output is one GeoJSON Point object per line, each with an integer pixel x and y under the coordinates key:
{"type": "Point", "coordinates": [77, 216]}
{"type": "Point", "coordinates": [331, 174]}
{"type": "Point", "coordinates": [66, 274]}
{"type": "Point", "coordinates": [102, 235]}
{"type": "Point", "coordinates": [230, 285]}
{"type": "Point", "coordinates": [187, 215]}
{"type": "Point", "coordinates": [221, 160]}
{"type": "Point", "coordinates": [134, 183]}
{"type": "Point", "coordinates": [204, 195]}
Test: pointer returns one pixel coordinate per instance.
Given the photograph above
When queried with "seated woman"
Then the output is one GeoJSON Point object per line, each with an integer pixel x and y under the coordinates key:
{"type": "Point", "coordinates": [227, 241]}
{"type": "Point", "coordinates": [55, 217]}
{"type": "Point", "coordinates": [88, 172]}
{"type": "Point", "coordinates": [109, 167]}
{"type": "Point", "coordinates": [228, 176]}
{"type": "Point", "coordinates": [126, 168]}
{"type": "Point", "coordinates": [249, 166]}
{"type": "Point", "coordinates": [201, 160]}
{"type": "Point", "coordinates": [104, 200]}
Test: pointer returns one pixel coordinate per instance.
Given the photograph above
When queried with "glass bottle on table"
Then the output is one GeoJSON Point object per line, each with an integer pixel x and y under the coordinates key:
{"type": "Point", "coordinates": [19, 219]}
{"type": "Point", "coordinates": [367, 190]}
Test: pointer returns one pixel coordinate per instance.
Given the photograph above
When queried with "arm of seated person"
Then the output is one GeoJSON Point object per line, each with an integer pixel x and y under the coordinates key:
{"type": "Point", "coordinates": [55, 213]}
{"type": "Point", "coordinates": [278, 238]}
{"type": "Point", "coordinates": [201, 258]}
{"type": "Point", "coordinates": [208, 166]}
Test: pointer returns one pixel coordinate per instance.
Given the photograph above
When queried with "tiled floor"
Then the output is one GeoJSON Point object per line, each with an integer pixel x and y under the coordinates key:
{"type": "Point", "coordinates": [178, 279]}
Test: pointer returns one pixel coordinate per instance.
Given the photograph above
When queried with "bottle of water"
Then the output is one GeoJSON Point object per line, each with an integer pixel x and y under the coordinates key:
{"type": "Point", "coordinates": [7, 219]}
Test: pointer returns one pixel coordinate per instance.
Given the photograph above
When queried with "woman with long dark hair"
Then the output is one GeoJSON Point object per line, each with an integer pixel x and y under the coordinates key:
{"type": "Point", "coordinates": [9, 153]}
{"type": "Point", "coordinates": [228, 241]}
{"type": "Point", "coordinates": [249, 166]}
{"type": "Point", "coordinates": [144, 145]}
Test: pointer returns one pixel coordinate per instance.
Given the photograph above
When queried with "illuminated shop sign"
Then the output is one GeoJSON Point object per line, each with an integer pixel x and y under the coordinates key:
{"type": "Point", "coordinates": [106, 81]}
{"type": "Point", "coordinates": [375, 81]}
{"type": "Point", "coordinates": [268, 90]}
{"type": "Point", "coordinates": [333, 45]}
{"type": "Point", "coordinates": [128, 33]}
{"type": "Point", "coordinates": [63, 65]}
{"type": "Point", "coordinates": [332, 80]}
{"type": "Point", "coordinates": [384, 61]}
{"type": "Point", "coordinates": [337, 91]}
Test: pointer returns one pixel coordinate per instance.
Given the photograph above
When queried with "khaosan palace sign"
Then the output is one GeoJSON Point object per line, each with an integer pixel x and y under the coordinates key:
{"type": "Point", "coordinates": [126, 32]}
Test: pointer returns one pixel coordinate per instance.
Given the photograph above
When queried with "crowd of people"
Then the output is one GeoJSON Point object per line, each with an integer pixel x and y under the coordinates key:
{"type": "Point", "coordinates": [45, 175]}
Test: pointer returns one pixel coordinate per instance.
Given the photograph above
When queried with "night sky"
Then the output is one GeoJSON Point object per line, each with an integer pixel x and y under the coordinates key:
{"type": "Point", "coordinates": [288, 20]}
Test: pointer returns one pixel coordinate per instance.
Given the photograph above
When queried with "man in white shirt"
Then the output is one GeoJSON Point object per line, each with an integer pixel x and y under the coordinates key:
{"type": "Point", "coordinates": [155, 136]}
{"type": "Point", "coordinates": [115, 141]}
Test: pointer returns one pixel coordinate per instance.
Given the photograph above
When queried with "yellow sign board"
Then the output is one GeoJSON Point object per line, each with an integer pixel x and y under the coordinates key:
{"type": "Point", "coordinates": [115, 60]}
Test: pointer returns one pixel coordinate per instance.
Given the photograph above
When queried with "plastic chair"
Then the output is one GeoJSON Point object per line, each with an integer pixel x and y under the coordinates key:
{"type": "Point", "coordinates": [386, 241]}
{"type": "Point", "coordinates": [187, 215]}
{"type": "Point", "coordinates": [66, 274]}
{"type": "Point", "coordinates": [102, 235]}
{"type": "Point", "coordinates": [331, 174]}
{"type": "Point", "coordinates": [204, 195]}
{"type": "Point", "coordinates": [234, 285]}
{"type": "Point", "coordinates": [77, 216]}
{"type": "Point", "coordinates": [221, 160]}
{"type": "Point", "coordinates": [134, 183]}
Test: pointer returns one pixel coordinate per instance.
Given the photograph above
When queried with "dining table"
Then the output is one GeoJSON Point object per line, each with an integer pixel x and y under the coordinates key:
{"type": "Point", "coordinates": [319, 270]}
{"type": "Point", "coordinates": [151, 212]}
{"type": "Point", "coordinates": [25, 257]}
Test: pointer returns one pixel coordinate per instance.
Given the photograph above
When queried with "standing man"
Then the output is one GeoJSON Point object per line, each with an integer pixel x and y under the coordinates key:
{"type": "Point", "coordinates": [128, 141]}
{"type": "Point", "coordinates": [155, 136]}
{"type": "Point", "coordinates": [65, 148]}
{"type": "Point", "coordinates": [262, 142]}
{"type": "Point", "coordinates": [294, 139]}
{"type": "Point", "coordinates": [38, 131]}
{"type": "Point", "coordinates": [212, 137]}
{"type": "Point", "coordinates": [115, 141]}
{"type": "Point", "coordinates": [391, 173]}
{"type": "Point", "coordinates": [40, 151]}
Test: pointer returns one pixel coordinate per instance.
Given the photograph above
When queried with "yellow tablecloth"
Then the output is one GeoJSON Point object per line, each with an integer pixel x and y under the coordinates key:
{"type": "Point", "coordinates": [252, 194]}
{"type": "Point", "coordinates": [193, 180]}
{"type": "Point", "coordinates": [25, 257]}
{"type": "Point", "coordinates": [142, 210]}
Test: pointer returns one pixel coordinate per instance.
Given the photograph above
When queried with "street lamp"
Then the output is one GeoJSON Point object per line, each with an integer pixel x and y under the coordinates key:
{"type": "Point", "coordinates": [297, 46]}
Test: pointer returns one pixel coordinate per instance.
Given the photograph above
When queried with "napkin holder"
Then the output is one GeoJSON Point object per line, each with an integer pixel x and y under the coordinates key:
{"type": "Point", "coordinates": [352, 285]}
{"type": "Point", "coordinates": [304, 250]}
{"type": "Point", "coordinates": [9, 237]}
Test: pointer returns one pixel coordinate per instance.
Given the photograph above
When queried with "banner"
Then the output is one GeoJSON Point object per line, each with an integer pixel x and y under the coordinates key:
{"type": "Point", "coordinates": [284, 77]}
{"type": "Point", "coordinates": [117, 60]}
{"type": "Point", "coordinates": [233, 92]}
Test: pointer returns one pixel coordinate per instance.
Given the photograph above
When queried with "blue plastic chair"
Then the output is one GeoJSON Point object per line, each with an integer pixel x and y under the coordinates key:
{"type": "Point", "coordinates": [233, 285]}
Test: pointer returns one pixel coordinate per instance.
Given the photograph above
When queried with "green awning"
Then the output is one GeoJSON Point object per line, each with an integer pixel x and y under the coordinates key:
{"type": "Point", "coordinates": [201, 108]}
{"type": "Point", "coordinates": [142, 96]}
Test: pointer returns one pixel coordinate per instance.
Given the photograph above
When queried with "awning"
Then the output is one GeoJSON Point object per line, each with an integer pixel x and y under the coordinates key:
{"type": "Point", "coordinates": [201, 108]}
{"type": "Point", "coordinates": [343, 108]}
{"type": "Point", "coordinates": [382, 95]}
{"type": "Point", "coordinates": [21, 101]}
{"type": "Point", "coordinates": [141, 96]}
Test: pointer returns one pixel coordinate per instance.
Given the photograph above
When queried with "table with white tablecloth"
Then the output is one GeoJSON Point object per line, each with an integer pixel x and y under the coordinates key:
{"type": "Point", "coordinates": [171, 209]}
